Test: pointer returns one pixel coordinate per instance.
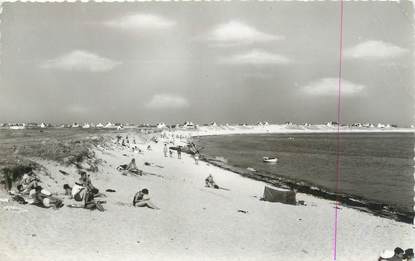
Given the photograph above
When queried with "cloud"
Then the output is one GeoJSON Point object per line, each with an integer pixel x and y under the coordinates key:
{"type": "Point", "coordinates": [79, 60]}
{"type": "Point", "coordinates": [141, 22]}
{"type": "Point", "coordinates": [236, 33]}
{"type": "Point", "coordinates": [329, 87]}
{"type": "Point", "coordinates": [374, 50]}
{"type": "Point", "coordinates": [164, 101]}
{"type": "Point", "coordinates": [255, 57]}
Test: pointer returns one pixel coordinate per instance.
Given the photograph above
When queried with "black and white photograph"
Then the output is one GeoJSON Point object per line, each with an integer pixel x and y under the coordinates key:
{"type": "Point", "coordinates": [207, 130]}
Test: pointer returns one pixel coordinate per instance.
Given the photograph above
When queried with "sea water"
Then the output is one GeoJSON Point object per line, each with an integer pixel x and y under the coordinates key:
{"type": "Point", "coordinates": [375, 166]}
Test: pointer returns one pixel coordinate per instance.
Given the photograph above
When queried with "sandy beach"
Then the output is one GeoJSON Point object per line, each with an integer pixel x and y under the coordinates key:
{"type": "Point", "coordinates": [193, 223]}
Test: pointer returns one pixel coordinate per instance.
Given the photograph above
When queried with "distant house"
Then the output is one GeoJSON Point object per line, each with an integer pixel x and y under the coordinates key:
{"type": "Point", "coordinates": [42, 125]}
{"type": "Point", "coordinates": [189, 125]}
{"type": "Point", "coordinates": [75, 125]}
{"type": "Point", "coordinates": [161, 125]}
{"type": "Point", "coordinates": [288, 123]}
{"type": "Point", "coordinates": [86, 126]}
{"type": "Point", "coordinates": [17, 126]}
{"type": "Point", "coordinates": [109, 125]}
{"type": "Point", "coordinates": [331, 123]}
{"type": "Point", "coordinates": [213, 124]}
{"type": "Point", "coordinates": [381, 125]}
{"type": "Point", "coordinates": [32, 125]}
{"type": "Point", "coordinates": [99, 125]}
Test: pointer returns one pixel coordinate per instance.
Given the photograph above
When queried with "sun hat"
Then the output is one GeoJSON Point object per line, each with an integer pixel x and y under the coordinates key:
{"type": "Point", "coordinates": [387, 254]}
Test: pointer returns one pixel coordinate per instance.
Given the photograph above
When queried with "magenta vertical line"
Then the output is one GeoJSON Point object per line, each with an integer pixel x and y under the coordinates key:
{"type": "Point", "coordinates": [336, 209]}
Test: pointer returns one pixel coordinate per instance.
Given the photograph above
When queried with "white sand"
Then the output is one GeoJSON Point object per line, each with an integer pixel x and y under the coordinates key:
{"type": "Point", "coordinates": [194, 223]}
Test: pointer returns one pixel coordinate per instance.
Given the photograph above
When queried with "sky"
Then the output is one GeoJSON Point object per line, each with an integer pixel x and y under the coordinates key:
{"type": "Point", "coordinates": [228, 62]}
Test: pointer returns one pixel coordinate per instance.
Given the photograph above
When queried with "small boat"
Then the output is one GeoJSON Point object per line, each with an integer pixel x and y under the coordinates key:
{"type": "Point", "coordinates": [269, 159]}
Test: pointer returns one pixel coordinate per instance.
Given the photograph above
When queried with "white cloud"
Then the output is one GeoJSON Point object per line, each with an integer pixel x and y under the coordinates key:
{"type": "Point", "coordinates": [236, 33]}
{"type": "Point", "coordinates": [141, 22]}
{"type": "Point", "coordinates": [164, 101]}
{"type": "Point", "coordinates": [256, 57]}
{"type": "Point", "coordinates": [330, 87]}
{"type": "Point", "coordinates": [374, 50]}
{"type": "Point", "coordinates": [79, 60]}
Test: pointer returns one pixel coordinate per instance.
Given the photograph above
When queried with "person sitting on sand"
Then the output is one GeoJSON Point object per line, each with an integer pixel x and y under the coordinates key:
{"type": "Point", "coordinates": [68, 190]}
{"type": "Point", "coordinates": [409, 254]}
{"type": "Point", "coordinates": [85, 181]}
{"type": "Point", "coordinates": [398, 255]}
{"type": "Point", "coordinates": [141, 199]}
{"type": "Point", "coordinates": [132, 167]}
{"type": "Point", "coordinates": [86, 196]}
{"type": "Point", "coordinates": [171, 153]}
{"type": "Point", "coordinates": [28, 182]}
{"type": "Point", "coordinates": [44, 201]}
{"type": "Point", "coordinates": [210, 183]}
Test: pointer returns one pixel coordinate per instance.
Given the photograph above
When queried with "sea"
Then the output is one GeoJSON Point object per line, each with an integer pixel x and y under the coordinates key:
{"type": "Point", "coordinates": [376, 170]}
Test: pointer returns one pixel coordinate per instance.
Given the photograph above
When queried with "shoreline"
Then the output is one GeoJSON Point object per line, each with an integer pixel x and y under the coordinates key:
{"type": "Point", "coordinates": [349, 200]}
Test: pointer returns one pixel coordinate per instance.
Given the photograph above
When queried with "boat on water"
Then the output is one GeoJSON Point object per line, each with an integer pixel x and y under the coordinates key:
{"type": "Point", "coordinates": [269, 159]}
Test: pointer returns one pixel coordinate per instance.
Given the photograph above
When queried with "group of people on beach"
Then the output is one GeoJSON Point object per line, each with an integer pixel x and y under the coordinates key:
{"type": "Point", "coordinates": [397, 255]}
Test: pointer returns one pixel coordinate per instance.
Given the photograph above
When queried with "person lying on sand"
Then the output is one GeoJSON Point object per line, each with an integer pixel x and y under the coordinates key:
{"type": "Point", "coordinates": [141, 199]}
{"type": "Point", "coordinates": [210, 183]}
{"type": "Point", "coordinates": [44, 201]}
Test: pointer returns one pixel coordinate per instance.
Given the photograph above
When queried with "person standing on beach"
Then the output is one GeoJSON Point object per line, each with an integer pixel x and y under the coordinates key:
{"type": "Point", "coordinates": [197, 158]}
{"type": "Point", "coordinates": [165, 149]}
{"type": "Point", "coordinates": [179, 152]}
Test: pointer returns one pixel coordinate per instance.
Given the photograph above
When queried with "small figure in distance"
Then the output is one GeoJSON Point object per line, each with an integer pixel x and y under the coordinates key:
{"type": "Point", "coordinates": [141, 199]}
{"type": "Point", "coordinates": [179, 152]}
{"type": "Point", "coordinates": [196, 156]}
{"type": "Point", "coordinates": [210, 183]}
{"type": "Point", "coordinates": [165, 149]}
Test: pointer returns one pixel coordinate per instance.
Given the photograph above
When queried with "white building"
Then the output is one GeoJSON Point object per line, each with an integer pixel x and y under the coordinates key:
{"type": "Point", "coordinates": [161, 125]}
{"type": "Point", "coordinates": [109, 125]}
{"type": "Point", "coordinates": [100, 125]}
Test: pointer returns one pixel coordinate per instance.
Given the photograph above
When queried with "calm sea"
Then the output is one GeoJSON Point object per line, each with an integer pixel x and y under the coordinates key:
{"type": "Point", "coordinates": [376, 167]}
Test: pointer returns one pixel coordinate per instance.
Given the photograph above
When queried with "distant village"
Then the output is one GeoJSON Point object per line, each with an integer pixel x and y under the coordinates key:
{"type": "Point", "coordinates": [185, 125]}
